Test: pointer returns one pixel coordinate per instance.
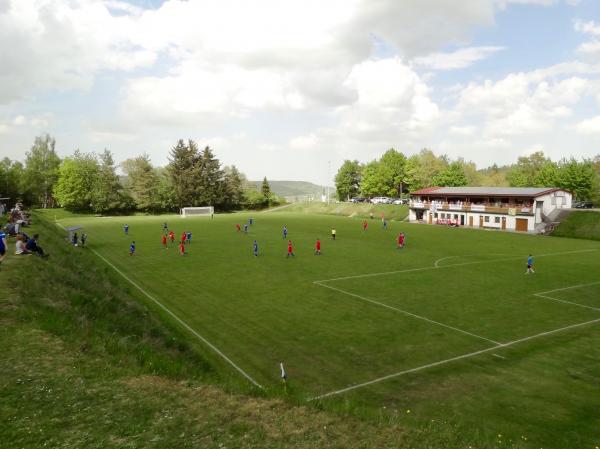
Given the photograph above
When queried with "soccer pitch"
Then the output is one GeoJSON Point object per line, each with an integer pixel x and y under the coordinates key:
{"type": "Point", "coordinates": [433, 327]}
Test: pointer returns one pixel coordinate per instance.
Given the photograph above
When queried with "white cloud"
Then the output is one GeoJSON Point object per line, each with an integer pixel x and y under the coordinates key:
{"type": "Point", "coordinates": [589, 126]}
{"type": "Point", "coordinates": [456, 60]}
{"type": "Point", "coordinates": [590, 47]}
{"type": "Point", "coordinates": [590, 27]}
{"type": "Point", "coordinates": [463, 130]}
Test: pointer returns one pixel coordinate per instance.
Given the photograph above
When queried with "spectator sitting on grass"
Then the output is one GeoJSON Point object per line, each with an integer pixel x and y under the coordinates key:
{"type": "Point", "coordinates": [33, 247]}
{"type": "Point", "coordinates": [20, 248]}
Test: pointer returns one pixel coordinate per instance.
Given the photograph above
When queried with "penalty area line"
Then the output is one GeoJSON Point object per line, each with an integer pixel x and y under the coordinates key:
{"type": "Point", "coordinates": [180, 321]}
{"type": "Point", "coordinates": [446, 361]}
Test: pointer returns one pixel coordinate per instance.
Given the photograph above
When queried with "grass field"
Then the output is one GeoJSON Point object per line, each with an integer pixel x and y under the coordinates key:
{"type": "Point", "coordinates": [447, 330]}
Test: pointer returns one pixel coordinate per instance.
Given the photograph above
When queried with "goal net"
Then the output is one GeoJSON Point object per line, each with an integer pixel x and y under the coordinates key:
{"type": "Point", "coordinates": [197, 211]}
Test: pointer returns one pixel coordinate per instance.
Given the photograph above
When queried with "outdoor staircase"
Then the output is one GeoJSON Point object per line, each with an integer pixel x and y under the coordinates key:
{"type": "Point", "coordinates": [551, 221]}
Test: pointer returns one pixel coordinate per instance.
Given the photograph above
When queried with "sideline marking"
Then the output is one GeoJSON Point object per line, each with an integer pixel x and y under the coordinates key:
{"type": "Point", "coordinates": [437, 262]}
{"type": "Point", "coordinates": [409, 313]}
{"type": "Point", "coordinates": [443, 362]}
{"type": "Point", "coordinates": [499, 356]}
{"type": "Point", "coordinates": [179, 320]}
{"type": "Point", "coordinates": [384, 273]}
{"type": "Point", "coordinates": [543, 295]}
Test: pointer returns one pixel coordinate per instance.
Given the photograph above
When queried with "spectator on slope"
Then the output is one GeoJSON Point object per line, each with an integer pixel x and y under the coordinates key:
{"type": "Point", "coordinates": [83, 239]}
{"type": "Point", "coordinates": [3, 245]}
{"type": "Point", "coordinates": [33, 247]}
{"type": "Point", "coordinates": [20, 248]}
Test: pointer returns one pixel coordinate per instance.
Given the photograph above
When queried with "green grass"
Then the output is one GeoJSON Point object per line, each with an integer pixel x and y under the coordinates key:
{"type": "Point", "coordinates": [258, 311]}
{"type": "Point", "coordinates": [581, 225]}
{"type": "Point", "coordinates": [358, 210]}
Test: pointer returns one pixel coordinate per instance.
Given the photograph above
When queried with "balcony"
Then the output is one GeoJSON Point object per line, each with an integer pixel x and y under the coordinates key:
{"type": "Point", "coordinates": [507, 209]}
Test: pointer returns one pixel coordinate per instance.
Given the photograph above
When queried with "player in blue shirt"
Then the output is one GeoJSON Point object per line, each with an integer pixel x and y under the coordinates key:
{"type": "Point", "coordinates": [251, 221]}
{"type": "Point", "coordinates": [165, 228]}
{"type": "Point", "coordinates": [3, 245]}
{"type": "Point", "coordinates": [284, 232]}
{"type": "Point", "coordinates": [530, 265]}
{"type": "Point", "coordinates": [245, 229]}
{"type": "Point", "coordinates": [255, 248]}
{"type": "Point", "coordinates": [132, 248]}
{"type": "Point", "coordinates": [126, 229]}
{"type": "Point", "coordinates": [188, 239]}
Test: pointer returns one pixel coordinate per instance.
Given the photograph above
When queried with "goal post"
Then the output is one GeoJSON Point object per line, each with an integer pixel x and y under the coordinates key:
{"type": "Point", "coordinates": [207, 211]}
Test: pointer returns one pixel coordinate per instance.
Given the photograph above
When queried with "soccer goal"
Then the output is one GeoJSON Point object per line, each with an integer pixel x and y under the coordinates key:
{"type": "Point", "coordinates": [207, 211]}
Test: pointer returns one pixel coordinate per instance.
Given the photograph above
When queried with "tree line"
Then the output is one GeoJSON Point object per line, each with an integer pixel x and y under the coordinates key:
{"type": "Point", "coordinates": [396, 175]}
{"type": "Point", "coordinates": [90, 181]}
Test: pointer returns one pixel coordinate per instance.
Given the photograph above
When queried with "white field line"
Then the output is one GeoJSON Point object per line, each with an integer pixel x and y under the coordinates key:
{"type": "Point", "coordinates": [372, 301]}
{"type": "Point", "coordinates": [499, 356]}
{"type": "Point", "coordinates": [443, 362]}
{"type": "Point", "coordinates": [180, 321]}
{"type": "Point", "coordinates": [433, 267]}
{"type": "Point", "coordinates": [437, 262]}
{"type": "Point", "coordinates": [543, 295]}
{"type": "Point", "coordinates": [176, 318]}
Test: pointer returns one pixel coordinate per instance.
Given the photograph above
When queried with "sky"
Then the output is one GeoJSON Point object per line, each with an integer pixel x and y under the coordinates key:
{"type": "Point", "coordinates": [290, 89]}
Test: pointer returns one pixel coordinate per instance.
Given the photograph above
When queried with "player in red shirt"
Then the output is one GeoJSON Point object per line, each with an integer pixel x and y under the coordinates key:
{"type": "Point", "coordinates": [164, 241]}
{"type": "Point", "coordinates": [365, 225]}
{"type": "Point", "coordinates": [318, 247]}
{"type": "Point", "coordinates": [290, 249]}
{"type": "Point", "coordinates": [238, 227]}
{"type": "Point", "coordinates": [172, 236]}
{"type": "Point", "coordinates": [182, 249]}
{"type": "Point", "coordinates": [401, 240]}
{"type": "Point", "coordinates": [183, 237]}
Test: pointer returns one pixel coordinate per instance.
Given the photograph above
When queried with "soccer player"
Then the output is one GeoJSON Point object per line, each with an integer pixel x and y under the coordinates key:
{"type": "Point", "coordinates": [283, 373]}
{"type": "Point", "coordinates": [284, 232]}
{"type": "Point", "coordinates": [182, 248]}
{"type": "Point", "coordinates": [401, 240]}
{"type": "Point", "coordinates": [530, 265]}
{"type": "Point", "coordinates": [238, 227]}
{"type": "Point", "coordinates": [245, 229]}
{"type": "Point", "coordinates": [384, 223]}
{"type": "Point", "coordinates": [165, 228]}
{"type": "Point", "coordinates": [251, 221]}
{"type": "Point", "coordinates": [126, 229]}
{"type": "Point", "coordinates": [290, 251]}
{"type": "Point", "coordinates": [132, 248]}
{"type": "Point", "coordinates": [255, 248]}
{"type": "Point", "coordinates": [333, 233]}
{"type": "Point", "coordinates": [83, 239]}
{"type": "Point", "coordinates": [189, 238]}
{"type": "Point", "coordinates": [75, 239]}
{"type": "Point", "coordinates": [365, 225]}
{"type": "Point", "coordinates": [318, 247]}
{"type": "Point", "coordinates": [164, 241]}
{"type": "Point", "coordinates": [172, 236]}
{"type": "Point", "coordinates": [183, 237]}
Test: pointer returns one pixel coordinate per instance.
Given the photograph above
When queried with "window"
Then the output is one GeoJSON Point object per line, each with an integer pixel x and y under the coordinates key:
{"type": "Point", "coordinates": [496, 219]}
{"type": "Point", "coordinates": [486, 219]}
{"type": "Point", "coordinates": [435, 215]}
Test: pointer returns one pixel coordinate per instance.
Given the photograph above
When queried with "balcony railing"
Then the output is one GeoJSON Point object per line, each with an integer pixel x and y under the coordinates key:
{"type": "Point", "coordinates": [509, 209]}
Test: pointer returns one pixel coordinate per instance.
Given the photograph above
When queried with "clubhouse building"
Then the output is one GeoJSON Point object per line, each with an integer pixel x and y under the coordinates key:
{"type": "Point", "coordinates": [526, 209]}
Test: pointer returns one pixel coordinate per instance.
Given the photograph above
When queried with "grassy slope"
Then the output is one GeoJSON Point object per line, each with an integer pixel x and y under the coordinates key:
{"type": "Point", "coordinates": [530, 394]}
{"type": "Point", "coordinates": [292, 188]}
{"type": "Point", "coordinates": [360, 210]}
{"type": "Point", "coordinates": [580, 225]}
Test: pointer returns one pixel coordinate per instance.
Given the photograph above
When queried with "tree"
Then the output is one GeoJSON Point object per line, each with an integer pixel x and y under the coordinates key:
{"type": "Point", "coordinates": [182, 169]}
{"type": "Point", "coordinates": [451, 176]}
{"type": "Point", "coordinates": [209, 180]}
{"type": "Point", "coordinates": [142, 182]}
{"type": "Point", "coordinates": [41, 170]}
{"type": "Point", "coordinates": [347, 180]}
{"type": "Point", "coordinates": [265, 189]}
{"type": "Point", "coordinates": [165, 191]}
{"type": "Point", "coordinates": [77, 179]}
{"type": "Point", "coordinates": [234, 183]}
{"type": "Point", "coordinates": [525, 172]}
{"type": "Point", "coordinates": [580, 178]}
{"type": "Point", "coordinates": [108, 193]}
{"type": "Point", "coordinates": [373, 182]}
{"type": "Point", "coordinates": [392, 170]}
{"type": "Point", "coordinates": [11, 179]}
{"type": "Point", "coordinates": [547, 175]}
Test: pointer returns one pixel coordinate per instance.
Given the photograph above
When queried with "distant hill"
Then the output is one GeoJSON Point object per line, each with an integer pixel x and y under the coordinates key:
{"type": "Point", "coordinates": [294, 188]}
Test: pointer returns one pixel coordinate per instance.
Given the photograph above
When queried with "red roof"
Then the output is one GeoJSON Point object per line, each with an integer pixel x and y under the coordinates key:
{"type": "Point", "coordinates": [425, 191]}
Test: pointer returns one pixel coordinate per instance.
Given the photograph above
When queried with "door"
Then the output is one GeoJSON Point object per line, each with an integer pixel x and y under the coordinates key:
{"type": "Point", "coordinates": [521, 224]}
{"type": "Point", "coordinates": [430, 219]}
{"type": "Point", "coordinates": [481, 221]}
{"type": "Point", "coordinates": [471, 221]}
{"type": "Point", "coordinates": [503, 223]}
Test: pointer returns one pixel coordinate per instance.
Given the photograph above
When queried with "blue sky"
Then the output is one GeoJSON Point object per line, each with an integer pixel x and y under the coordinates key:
{"type": "Point", "coordinates": [280, 88]}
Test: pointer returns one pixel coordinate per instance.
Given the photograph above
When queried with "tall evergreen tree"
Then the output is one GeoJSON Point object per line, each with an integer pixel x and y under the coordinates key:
{"type": "Point", "coordinates": [209, 180]}
{"type": "Point", "coordinates": [41, 170]}
{"type": "Point", "coordinates": [265, 190]}
{"type": "Point", "coordinates": [108, 192]}
{"type": "Point", "coordinates": [234, 188]}
{"type": "Point", "coordinates": [183, 171]}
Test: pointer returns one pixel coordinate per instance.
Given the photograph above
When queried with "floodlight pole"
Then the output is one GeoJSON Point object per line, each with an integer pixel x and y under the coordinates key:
{"type": "Point", "coordinates": [328, 179]}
